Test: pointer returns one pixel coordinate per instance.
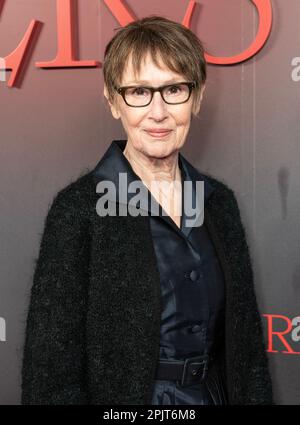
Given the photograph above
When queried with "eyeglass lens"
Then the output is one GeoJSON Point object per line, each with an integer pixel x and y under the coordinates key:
{"type": "Point", "coordinates": [140, 96]}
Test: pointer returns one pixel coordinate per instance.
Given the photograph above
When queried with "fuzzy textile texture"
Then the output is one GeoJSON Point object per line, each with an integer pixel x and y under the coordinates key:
{"type": "Point", "coordinates": [93, 322]}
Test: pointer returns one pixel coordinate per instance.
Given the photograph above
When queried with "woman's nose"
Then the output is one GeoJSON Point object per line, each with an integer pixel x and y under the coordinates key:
{"type": "Point", "coordinates": [158, 107]}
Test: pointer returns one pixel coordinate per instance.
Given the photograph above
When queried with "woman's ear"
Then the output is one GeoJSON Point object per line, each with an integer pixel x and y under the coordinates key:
{"type": "Point", "coordinates": [202, 91]}
{"type": "Point", "coordinates": [196, 112]}
{"type": "Point", "coordinates": [113, 106]}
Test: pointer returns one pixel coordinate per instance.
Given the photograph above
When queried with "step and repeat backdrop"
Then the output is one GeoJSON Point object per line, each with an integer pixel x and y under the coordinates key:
{"type": "Point", "coordinates": [55, 125]}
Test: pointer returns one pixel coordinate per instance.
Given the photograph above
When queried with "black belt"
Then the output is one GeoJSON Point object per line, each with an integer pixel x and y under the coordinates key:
{"type": "Point", "coordinates": [187, 372]}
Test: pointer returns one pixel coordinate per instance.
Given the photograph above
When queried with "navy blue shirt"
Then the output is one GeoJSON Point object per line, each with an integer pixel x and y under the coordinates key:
{"type": "Point", "coordinates": [193, 297]}
{"type": "Point", "coordinates": [192, 286]}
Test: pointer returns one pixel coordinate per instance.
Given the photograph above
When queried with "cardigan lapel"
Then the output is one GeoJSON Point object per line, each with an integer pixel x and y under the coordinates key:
{"type": "Point", "coordinates": [225, 355]}
{"type": "Point", "coordinates": [124, 311]}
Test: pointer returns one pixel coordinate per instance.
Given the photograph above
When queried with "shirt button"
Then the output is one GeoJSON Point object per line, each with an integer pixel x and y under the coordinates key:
{"type": "Point", "coordinates": [194, 275]}
{"type": "Point", "coordinates": [196, 328]}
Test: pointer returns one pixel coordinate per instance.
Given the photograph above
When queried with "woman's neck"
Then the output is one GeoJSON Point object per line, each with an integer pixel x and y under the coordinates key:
{"type": "Point", "coordinates": [153, 169]}
{"type": "Point", "coordinates": [162, 177]}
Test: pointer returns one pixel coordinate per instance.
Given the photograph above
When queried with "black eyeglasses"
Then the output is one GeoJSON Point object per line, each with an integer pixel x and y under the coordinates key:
{"type": "Point", "coordinates": [173, 94]}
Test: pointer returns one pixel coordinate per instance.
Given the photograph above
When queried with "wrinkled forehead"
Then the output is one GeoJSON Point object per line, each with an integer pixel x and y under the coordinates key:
{"type": "Point", "coordinates": [148, 71]}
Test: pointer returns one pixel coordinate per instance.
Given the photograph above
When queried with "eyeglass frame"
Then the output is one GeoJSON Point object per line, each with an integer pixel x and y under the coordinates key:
{"type": "Point", "coordinates": [191, 85]}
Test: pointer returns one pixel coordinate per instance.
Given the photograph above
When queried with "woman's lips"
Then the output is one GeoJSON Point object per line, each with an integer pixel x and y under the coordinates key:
{"type": "Point", "coordinates": [158, 134]}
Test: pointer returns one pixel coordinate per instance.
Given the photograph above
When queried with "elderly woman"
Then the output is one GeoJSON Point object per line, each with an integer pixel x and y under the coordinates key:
{"type": "Point", "coordinates": [129, 306]}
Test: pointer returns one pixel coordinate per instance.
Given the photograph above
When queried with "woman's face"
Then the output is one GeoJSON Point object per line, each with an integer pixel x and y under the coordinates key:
{"type": "Point", "coordinates": [157, 115]}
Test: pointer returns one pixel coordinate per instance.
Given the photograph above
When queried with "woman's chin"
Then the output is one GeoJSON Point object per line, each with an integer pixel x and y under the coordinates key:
{"type": "Point", "coordinates": [158, 148]}
{"type": "Point", "coordinates": [158, 151]}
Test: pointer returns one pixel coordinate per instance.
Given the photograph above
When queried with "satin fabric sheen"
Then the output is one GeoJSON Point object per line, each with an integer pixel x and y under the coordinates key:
{"type": "Point", "coordinates": [193, 297]}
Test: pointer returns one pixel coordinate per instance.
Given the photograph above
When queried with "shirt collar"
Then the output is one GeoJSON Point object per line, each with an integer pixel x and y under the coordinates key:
{"type": "Point", "coordinates": [114, 162]}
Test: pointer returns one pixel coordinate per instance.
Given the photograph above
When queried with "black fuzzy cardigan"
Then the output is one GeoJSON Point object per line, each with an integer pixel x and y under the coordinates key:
{"type": "Point", "coordinates": [93, 323]}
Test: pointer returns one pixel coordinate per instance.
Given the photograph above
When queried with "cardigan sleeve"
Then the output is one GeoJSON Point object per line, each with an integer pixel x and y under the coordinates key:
{"type": "Point", "coordinates": [54, 358]}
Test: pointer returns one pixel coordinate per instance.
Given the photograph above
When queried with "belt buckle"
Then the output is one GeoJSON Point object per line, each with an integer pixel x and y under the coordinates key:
{"type": "Point", "coordinates": [194, 364]}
